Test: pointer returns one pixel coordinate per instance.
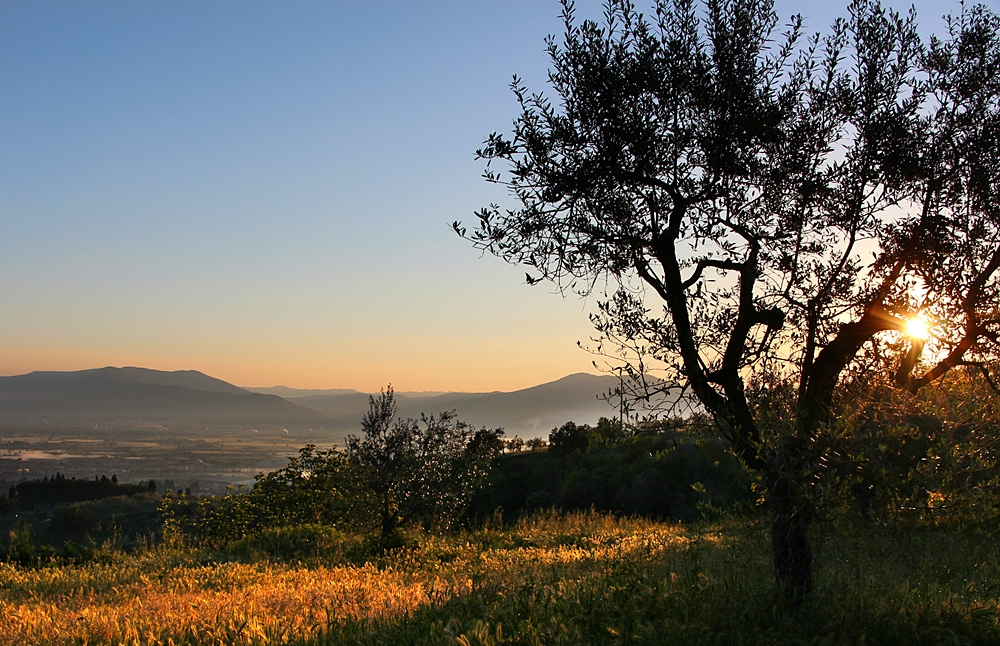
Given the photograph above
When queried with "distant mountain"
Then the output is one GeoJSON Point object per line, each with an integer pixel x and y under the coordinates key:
{"type": "Point", "coordinates": [183, 378]}
{"type": "Point", "coordinates": [286, 392]}
{"type": "Point", "coordinates": [136, 397]}
{"type": "Point", "coordinates": [531, 412]}
{"type": "Point", "coordinates": [139, 396]}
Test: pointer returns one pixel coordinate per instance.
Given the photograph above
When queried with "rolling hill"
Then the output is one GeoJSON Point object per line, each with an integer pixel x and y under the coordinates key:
{"type": "Point", "coordinates": [531, 412]}
{"type": "Point", "coordinates": [138, 397]}
{"type": "Point", "coordinates": [142, 397]}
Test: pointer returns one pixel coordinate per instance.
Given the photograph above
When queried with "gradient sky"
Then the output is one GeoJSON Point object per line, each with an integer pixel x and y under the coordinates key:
{"type": "Point", "coordinates": [262, 190]}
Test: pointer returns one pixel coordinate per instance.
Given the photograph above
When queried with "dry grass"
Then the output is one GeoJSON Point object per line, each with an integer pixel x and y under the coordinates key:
{"type": "Point", "coordinates": [166, 597]}
{"type": "Point", "coordinates": [574, 579]}
{"type": "Point", "coordinates": [219, 604]}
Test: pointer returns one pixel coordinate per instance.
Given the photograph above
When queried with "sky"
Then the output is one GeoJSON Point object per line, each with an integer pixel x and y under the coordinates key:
{"type": "Point", "coordinates": [262, 191]}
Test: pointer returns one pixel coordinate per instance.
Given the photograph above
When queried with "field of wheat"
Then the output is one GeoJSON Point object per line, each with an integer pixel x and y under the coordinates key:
{"type": "Point", "coordinates": [550, 579]}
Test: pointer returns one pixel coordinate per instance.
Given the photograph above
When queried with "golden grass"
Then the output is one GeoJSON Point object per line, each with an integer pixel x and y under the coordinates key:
{"type": "Point", "coordinates": [166, 597]}
{"type": "Point", "coordinates": [221, 604]}
{"type": "Point", "coordinates": [550, 579]}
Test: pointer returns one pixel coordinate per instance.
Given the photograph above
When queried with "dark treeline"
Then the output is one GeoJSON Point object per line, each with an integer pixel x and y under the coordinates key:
{"type": "Point", "coordinates": [62, 490]}
{"type": "Point", "coordinates": [663, 469]}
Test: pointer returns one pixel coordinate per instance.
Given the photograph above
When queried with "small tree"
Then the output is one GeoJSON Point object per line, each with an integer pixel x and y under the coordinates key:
{"type": "Point", "coordinates": [420, 470]}
{"type": "Point", "coordinates": [535, 444]}
{"type": "Point", "coordinates": [767, 206]}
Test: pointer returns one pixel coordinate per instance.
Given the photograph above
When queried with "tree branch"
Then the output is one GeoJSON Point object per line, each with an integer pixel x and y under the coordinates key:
{"type": "Point", "coordinates": [705, 263]}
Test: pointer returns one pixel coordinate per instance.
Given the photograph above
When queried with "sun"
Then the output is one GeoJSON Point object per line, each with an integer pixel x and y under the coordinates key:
{"type": "Point", "coordinates": [916, 328]}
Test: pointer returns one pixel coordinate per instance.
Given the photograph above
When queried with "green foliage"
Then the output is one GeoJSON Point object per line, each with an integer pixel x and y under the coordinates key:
{"type": "Point", "coordinates": [316, 487]}
{"type": "Point", "coordinates": [890, 455]}
{"type": "Point", "coordinates": [659, 469]}
{"type": "Point", "coordinates": [420, 471]}
{"type": "Point", "coordinates": [212, 520]}
{"type": "Point", "coordinates": [404, 471]}
{"type": "Point", "coordinates": [73, 520]}
{"type": "Point", "coordinates": [925, 454]}
{"type": "Point", "coordinates": [79, 532]}
{"type": "Point", "coordinates": [25, 550]}
{"type": "Point", "coordinates": [20, 548]}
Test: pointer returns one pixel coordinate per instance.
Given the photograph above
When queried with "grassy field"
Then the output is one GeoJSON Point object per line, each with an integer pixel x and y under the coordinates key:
{"type": "Point", "coordinates": [549, 579]}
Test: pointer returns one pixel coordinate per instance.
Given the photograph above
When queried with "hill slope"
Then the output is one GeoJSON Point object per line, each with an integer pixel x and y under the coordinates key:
{"type": "Point", "coordinates": [531, 412]}
{"type": "Point", "coordinates": [139, 396]}
{"type": "Point", "coordinates": [129, 397]}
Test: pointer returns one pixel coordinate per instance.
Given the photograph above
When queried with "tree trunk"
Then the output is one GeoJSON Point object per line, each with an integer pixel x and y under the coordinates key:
{"type": "Point", "coordinates": [388, 518]}
{"type": "Point", "coordinates": [790, 467]}
{"type": "Point", "coordinates": [786, 479]}
{"type": "Point", "coordinates": [789, 537]}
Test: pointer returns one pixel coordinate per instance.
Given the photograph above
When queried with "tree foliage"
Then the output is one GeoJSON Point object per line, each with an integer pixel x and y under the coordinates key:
{"type": "Point", "coordinates": [315, 487]}
{"type": "Point", "coordinates": [422, 470]}
{"type": "Point", "coordinates": [402, 471]}
{"type": "Point", "coordinates": [664, 468]}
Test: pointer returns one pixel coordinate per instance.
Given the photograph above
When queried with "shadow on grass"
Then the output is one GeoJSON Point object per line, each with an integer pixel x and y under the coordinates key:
{"type": "Point", "coordinates": [875, 585]}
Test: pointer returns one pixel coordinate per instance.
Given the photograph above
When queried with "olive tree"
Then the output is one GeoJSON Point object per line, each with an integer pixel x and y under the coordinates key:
{"type": "Point", "coordinates": [763, 202]}
{"type": "Point", "coordinates": [424, 470]}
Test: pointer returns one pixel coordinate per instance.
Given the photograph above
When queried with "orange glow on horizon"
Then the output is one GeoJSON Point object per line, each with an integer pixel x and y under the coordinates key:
{"type": "Point", "coordinates": [484, 369]}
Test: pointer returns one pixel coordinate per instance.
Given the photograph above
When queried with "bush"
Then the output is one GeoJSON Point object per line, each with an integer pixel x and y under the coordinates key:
{"type": "Point", "coordinates": [73, 520]}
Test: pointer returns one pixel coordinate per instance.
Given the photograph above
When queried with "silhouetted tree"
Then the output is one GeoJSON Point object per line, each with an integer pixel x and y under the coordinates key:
{"type": "Point", "coordinates": [568, 438]}
{"type": "Point", "coordinates": [535, 444]}
{"type": "Point", "coordinates": [767, 206]}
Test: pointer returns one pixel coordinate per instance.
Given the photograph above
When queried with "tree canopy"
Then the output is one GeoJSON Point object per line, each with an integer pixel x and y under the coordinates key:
{"type": "Point", "coordinates": [763, 203]}
{"type": "Point", "coordinates": [424, 470]}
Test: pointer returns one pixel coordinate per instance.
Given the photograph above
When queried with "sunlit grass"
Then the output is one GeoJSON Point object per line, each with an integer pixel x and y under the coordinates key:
{"type": "Point", "coordinates": [550, 579]}
{"type": "Point", "coordinates": [220, 604]}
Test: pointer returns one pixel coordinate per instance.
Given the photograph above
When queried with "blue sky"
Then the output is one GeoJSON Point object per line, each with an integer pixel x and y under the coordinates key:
{"type": "Point", "coordinates": [261, 190]}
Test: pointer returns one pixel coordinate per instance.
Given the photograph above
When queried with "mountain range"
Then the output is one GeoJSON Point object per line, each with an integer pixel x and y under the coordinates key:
{"type": "Point", "coordinates": [141, 397]}
{"type": "Point", "coordinates": [189, 400]}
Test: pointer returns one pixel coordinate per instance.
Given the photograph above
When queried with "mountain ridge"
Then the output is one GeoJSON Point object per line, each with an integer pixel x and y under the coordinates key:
{"type": "Point", "coordinates": [531, 411]}
{"type": "Point", "coordinates": [141, 396]}
{"type": "Point", "coordinates": [135, 397]}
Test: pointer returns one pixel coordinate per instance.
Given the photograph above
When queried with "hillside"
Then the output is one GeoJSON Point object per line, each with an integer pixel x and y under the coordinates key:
{"type": "Point", "coordinates": [530, 412]}
{"type": "Point", "coordinates": [547, 579]}
{"type": "Point", "coordinates": [139, 396]}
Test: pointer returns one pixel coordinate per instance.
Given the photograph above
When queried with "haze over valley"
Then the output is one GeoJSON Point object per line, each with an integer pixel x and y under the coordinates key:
{"type": "Point", "coordinates": [194, 429]}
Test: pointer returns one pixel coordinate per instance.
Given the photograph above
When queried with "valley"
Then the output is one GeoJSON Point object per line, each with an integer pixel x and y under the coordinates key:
{"type": "Point", "coordinates": [205, 463]}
